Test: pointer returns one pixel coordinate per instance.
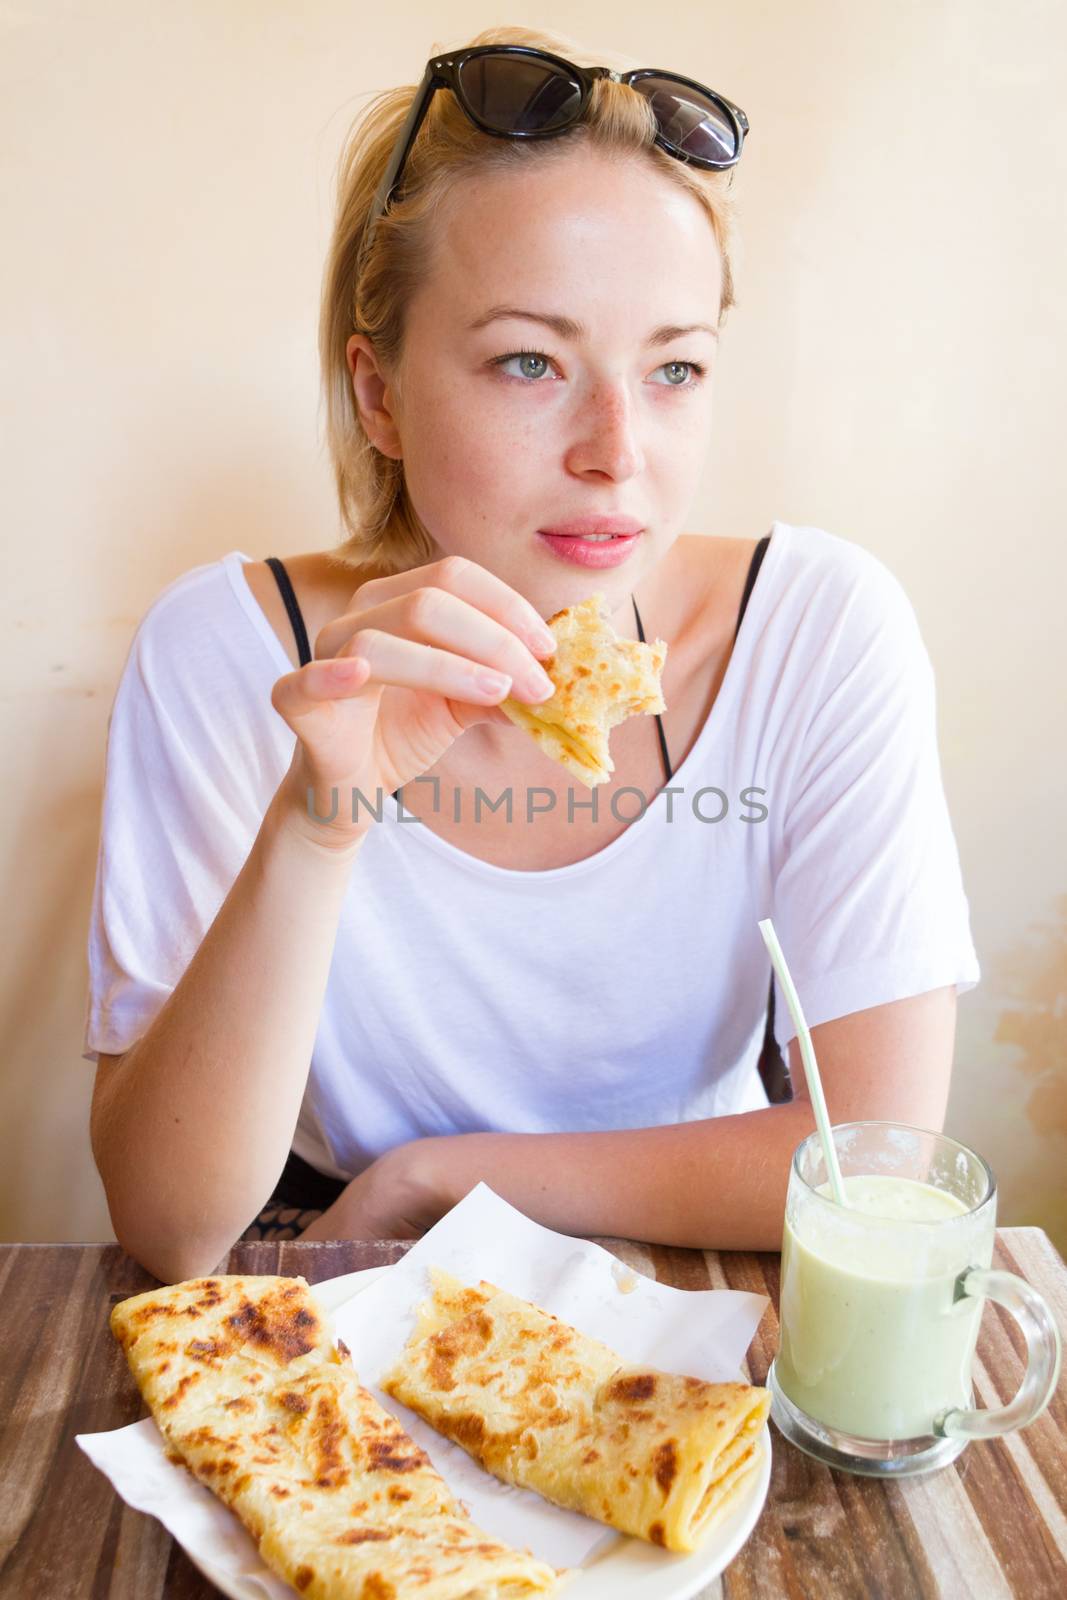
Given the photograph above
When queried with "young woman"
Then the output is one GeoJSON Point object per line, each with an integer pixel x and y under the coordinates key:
{"type": "Point", "coordinates": [315, 1008]}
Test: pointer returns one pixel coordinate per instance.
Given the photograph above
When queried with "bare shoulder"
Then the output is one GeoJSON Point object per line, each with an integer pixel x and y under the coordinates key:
{"type": "Point", "coordinates": [716, 556]}
{"type": "Point", "coordinates": [710, 573]}
{"type": "Point", "coordinates": [323, 585]}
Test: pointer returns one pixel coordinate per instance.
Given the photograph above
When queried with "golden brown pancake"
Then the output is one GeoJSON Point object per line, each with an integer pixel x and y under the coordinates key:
{"type": "Point", "coordinates": [546, 1407]}
{"type": "Point", "coordinates": [250, 1393]}
{"type": "Point", "coordinates": [600, 680]}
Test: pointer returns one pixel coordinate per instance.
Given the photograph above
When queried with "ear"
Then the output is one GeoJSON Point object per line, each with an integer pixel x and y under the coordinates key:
{"type": "Point", "coordinates": [374, 400]}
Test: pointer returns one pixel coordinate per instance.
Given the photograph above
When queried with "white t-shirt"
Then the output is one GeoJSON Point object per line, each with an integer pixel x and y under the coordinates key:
{"type": "Point", "coordinates": [627, 990]}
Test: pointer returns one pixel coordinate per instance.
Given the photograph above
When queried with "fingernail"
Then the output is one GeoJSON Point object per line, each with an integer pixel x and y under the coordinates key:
{"type": "Point", "coordinates": [539, 685]}
{"type": "Point", "coordinates": [542, 641]}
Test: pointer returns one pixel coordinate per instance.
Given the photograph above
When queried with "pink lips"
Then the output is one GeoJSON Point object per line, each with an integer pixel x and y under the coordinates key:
{"type": "Point", "coordinates": [594, 524]}
{"type": "Point", "coordinates": [596, 553]}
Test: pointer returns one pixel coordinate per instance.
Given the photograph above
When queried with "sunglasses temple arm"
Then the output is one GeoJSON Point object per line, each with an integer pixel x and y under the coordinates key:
{"type": "Point", "coordinates": [402, 148]}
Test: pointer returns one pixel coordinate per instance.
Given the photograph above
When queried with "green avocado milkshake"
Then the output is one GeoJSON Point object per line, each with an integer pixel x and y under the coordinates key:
{"type": "Point", "coordinates": [874, 1341]}
{"type": "Point", "coordinates": [886, 1261]}
{"type": "Point", "coordinates": [886, 1264]}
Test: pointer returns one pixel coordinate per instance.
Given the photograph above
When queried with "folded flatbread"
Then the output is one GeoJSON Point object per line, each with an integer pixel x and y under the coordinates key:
{"type": "Point", "coordinates": [600, 680]}
{"type": "Point", "coordinates": [250, 1393]}
{"type": "Point", "coordinates": [546, 1407]}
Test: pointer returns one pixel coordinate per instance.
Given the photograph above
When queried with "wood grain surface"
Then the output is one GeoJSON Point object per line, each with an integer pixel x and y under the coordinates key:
{"type": "Point", "coordinates": [990, 1527]}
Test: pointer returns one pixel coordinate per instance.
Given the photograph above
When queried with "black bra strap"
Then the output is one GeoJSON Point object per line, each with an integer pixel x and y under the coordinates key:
{"type": "Point", "coordinates": [750, 582]}
{"type": "Point", "coordinates": [753, 570]}
{"type": "Point", "coordinates": [668, 769]}
{"type": "Point", "coordinates": [773, 1069]}
{"type": "Point", "coordinates": [292, 606]}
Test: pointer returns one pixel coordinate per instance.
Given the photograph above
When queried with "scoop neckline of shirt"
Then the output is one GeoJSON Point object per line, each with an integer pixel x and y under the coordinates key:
{"type": "Point", "coordinates": [234, 559]}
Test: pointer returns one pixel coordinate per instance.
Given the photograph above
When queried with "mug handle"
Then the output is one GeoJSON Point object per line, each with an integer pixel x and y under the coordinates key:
{"type": "Point", "coordinates": [1043, 1356]}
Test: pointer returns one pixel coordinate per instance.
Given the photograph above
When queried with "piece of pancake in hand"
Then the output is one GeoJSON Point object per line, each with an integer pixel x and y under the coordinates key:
{"type": "Point", "coordinates": [541, 1405]}
{"type": "Point", "coordinates": [600, 680]}
{"type": "Point", "coordinates": [250, 1394]}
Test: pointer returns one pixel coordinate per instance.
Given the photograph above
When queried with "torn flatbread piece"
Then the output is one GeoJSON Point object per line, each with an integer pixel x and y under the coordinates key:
{"type": "Point", "coordinates": [600, 680]}
{"type": "Point", "coordinates": [250, 1393]}
{"type": "Point", "coordinates": [541, 1405]}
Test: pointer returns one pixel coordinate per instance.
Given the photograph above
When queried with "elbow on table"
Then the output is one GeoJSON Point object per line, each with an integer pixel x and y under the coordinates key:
{"type": "Point", "coordinates": [164, 1226]}
{"type": "Point", "coordinates": [170, 1248]}
{"type": "Point", "coordinates": [173, 1259]}
{"type": "Point", "coordinates": [169, 1245]}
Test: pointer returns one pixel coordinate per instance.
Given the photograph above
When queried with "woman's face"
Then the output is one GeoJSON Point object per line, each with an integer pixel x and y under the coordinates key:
{"type": "Point", "coordinates": [609, 277]}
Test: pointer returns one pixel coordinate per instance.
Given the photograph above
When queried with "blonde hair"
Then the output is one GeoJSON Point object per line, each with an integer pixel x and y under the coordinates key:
{"type": "Point", "coordinates": [371, 296]}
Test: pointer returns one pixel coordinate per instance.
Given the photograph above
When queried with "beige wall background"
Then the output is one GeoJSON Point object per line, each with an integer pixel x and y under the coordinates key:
{"type": "Point", "coordinates": [893, 373]}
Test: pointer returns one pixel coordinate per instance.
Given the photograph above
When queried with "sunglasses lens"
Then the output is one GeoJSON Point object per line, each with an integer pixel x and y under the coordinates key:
{"type": "Point", "coordinates": [693, 123]}
{"type": "Point", "coordinates": [519, 94]}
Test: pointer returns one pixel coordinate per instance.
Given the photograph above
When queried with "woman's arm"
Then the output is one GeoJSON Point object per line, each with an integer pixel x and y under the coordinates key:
{"type": "Point", "coordinates": [717, 1184]}
{"type": "Point", "coordinates": [192, 1125]}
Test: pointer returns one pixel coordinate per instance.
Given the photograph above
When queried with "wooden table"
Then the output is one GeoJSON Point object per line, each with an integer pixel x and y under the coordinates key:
{"type": "Point", "coordinates": [991, 1526]}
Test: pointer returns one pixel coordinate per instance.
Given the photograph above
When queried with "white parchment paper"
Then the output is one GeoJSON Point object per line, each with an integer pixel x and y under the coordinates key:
{"type": "Point", "coordinates": [703, 1334]}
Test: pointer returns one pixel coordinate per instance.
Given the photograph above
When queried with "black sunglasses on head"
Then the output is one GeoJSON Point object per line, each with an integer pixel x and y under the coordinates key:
{"type": "Point", "coordinates": [516, 92]}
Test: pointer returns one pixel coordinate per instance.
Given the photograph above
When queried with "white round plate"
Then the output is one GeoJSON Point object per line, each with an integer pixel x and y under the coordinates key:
{"type": "Point", "coordinates": [627, 1569]}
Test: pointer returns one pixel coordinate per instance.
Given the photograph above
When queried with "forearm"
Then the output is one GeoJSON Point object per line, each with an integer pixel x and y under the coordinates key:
{"type": "Point", "coordinates": [715, 1184]}
{"type": "Point", "coordinates": [194, 1124]}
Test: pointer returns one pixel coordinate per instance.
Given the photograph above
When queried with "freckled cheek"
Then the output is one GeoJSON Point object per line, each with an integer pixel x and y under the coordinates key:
{"type": "Point", "coordinates": [673, 466]}
{"type": "Point", "coordinates": [462, 473]}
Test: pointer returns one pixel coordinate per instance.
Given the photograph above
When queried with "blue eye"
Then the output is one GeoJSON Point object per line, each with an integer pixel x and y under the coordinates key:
{"type": "Point", "coordinates": [682, 367]}
{"type": "Point", "coordinates": [528, 359]}
{"type": "Point", "coordinates": [534, 367]}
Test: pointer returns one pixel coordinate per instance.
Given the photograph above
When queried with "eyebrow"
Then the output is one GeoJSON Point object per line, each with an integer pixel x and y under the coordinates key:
{"type": "Point", "coordinates": [566, 328]}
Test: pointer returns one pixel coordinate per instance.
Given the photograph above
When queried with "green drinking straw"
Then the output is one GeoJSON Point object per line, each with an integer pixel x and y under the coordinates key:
{"type": "Point", "coordinates": [807, 1054]}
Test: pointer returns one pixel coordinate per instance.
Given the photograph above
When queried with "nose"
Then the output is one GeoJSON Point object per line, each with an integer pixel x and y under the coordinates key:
{"type": "Point", "coordinates": [607, 442]}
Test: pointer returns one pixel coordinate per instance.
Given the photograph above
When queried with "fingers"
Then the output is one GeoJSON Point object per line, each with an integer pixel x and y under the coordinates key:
{"type": "Point", "coordinates": [304, 690]}
{"type": "Point", "coordinates": [451, 627]}
{"type": "Point", "coordinates": [414, 665]}
{"type": "Point", "coordinates": [469, 581]}
{"type": "Point", "coordinates": [385, 659]}
{"type": "Point", "coordinates": [466, 581]}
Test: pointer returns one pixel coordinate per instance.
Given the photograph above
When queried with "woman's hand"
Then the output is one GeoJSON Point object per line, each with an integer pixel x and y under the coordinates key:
{"type": "Point", "coordinates": [397, 679]}
{"type": "Point", "coordinates": [394, 1198]}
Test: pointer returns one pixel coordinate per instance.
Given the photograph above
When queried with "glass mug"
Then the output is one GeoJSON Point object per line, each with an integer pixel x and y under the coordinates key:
{"type": "Point", "coordinates": [881, 1302]}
